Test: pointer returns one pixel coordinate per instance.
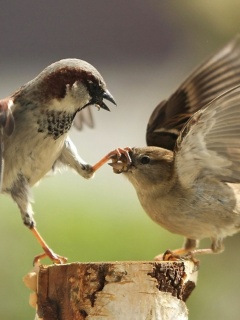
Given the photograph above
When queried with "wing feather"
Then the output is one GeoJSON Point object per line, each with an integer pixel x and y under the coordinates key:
{"type": "Point", "coordinates": [213, 77]}
{"type": "Point", "coordinates": [84, 117]}
{"type": "Point", "coordinates": [209, 144]}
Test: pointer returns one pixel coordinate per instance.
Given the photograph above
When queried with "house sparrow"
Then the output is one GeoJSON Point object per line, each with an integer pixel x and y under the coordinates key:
{"type": "Point", "coordinates": [213, 77]}
{"type": "Point", "coordinates": [34, 126]}
{"type": "Point", "coordinates": [155, 172]}
{"type": "Point", "coordinates": [194, 190]}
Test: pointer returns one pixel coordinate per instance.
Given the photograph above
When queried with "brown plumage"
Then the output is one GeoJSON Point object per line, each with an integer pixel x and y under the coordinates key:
{"type": "Point", "coordinates": [214, 76]}
{"type": "Point", "coordinates": [188, 178]}
{"type": "Point", "coordinates": [195, 189]}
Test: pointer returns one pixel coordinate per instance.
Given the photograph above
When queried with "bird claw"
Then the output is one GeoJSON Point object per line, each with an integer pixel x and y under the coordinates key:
{"type": "Point", "coordinates": [169, 255]}
{"type": "Point", "coordinates": [121, 159]}
{"type": "Point", "coordinates": [47, 250]}
{"type": "Point", "coordinates": [57, 259]}
{"type": "Point", "coordinates": [115, 155]}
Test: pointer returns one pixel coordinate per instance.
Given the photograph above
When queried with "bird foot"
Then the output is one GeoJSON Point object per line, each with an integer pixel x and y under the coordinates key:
{"type": "Point", "coordinates": [183, 254]}
{"type": "Point", "coordinates": [178, 255]}
{"type": "Point", "coordinates": [121, 160]}
{"type": "Point", "coordinates": [171, 255]}
{"type": "Point", "coordinates": [51, 255]}
{"type": "Point", "coordinates": [115, 155]}
{"type": "Point", "coordinates": [47, 250]}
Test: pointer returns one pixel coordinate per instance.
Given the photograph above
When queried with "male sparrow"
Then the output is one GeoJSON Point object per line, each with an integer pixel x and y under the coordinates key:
{"type": "Point", "coordinates": [34, 126]}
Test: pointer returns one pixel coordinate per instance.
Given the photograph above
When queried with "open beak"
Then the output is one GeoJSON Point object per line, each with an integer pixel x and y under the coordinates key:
{"type": "Point", "coordinates": [98, 100]}
{"type": "Point", "coordinates": [106, 95]}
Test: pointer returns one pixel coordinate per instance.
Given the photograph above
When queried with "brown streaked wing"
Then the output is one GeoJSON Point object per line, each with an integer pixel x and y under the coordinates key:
{"type": "Point", "coordinates": [214, 76]}
{"type": "Point", "coordinates": [209, 144]}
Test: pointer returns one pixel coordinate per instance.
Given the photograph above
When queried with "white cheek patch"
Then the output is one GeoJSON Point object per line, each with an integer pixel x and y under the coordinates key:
{"type": "Point", "coordinates": [76, 97]}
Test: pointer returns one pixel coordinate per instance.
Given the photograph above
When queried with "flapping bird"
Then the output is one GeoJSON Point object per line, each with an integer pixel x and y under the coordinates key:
{"type": "Point", "coordinates": [194, 190]}
{"type": "Point", "coordinates": [188, 178]}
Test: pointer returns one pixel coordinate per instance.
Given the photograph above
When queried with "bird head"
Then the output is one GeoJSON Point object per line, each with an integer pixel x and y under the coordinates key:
{"type": "Point", "coordinates": [149, 166]}
{"type": "Point", "coordinates": [67, 85]}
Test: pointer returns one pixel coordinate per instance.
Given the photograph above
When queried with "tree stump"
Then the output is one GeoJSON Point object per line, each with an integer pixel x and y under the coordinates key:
{"type": "Point", "coordinates": [115, 290]}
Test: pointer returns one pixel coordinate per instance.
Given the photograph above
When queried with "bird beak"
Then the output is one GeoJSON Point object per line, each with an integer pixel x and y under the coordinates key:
{"type": "Point", "coordinates": [106, 95]}
{"type": "Point", "coordinates": [119, 167]}
{"type": "Point", "coordinates": [123, 163]}
{"type": "Point", "coordinates": [98, 101]}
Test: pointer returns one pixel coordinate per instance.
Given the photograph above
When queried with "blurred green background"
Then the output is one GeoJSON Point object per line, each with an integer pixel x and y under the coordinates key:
{"type": "Point", "coordinates": [144, 50]}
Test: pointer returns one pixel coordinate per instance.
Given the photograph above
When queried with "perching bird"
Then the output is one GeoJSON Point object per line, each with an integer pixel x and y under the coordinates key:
{"type": "Point", "coordinates": [213, 77]}
{"type": "Point", "coordinates": [194, 190]}
{"type": "Point", "coordinates": [34, 126]}
{"type": "Point", "coordinates": [171, 182]}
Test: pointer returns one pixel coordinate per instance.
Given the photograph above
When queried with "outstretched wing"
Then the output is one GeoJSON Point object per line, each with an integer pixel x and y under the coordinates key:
{"type": "Point", "coordinates": [84, 117]}
{"type": "Point", "coordinates": [209, 144]}
{"type": "Point", "coordinates": [215, 76]}
{"type": "Point", "coordinates": [6, 128]}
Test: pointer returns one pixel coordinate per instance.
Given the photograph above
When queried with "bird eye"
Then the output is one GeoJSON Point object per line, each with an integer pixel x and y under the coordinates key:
{"type": "Point", "coordinates": [93, 86]}
{"type": "Point", "coordinates": [145, 160]}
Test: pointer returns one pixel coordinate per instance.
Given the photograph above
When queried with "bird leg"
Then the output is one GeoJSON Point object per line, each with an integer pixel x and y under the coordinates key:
{"type": "Point", "coordinates": [21, 192]}
{"type": "Point", "coordinates": [216, 247]}
{"type": "Point", "coordinates": [21, 195]}
{"type": "Point", "coordinates": [189, 245]}
{"type": "Point", "coordinates": [115, 156]}
{"type": "Point", "coordinates": [47, 251]}
{"type": "Point", "coordinates": [70, 157]}
{"type": "Point", "coordinates": [172, 255]}
{"type": "Point", "coordinates": [190, 250]}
